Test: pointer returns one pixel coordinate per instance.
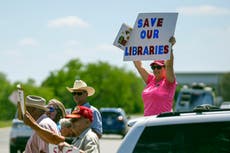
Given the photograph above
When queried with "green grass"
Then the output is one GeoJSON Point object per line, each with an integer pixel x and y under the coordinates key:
{"type": "Point", "coordinates": [5, 123]}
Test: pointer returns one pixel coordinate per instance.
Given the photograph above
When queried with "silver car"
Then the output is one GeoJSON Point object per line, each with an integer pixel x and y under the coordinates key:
{"type": "Point", "coordinates": [19, 135]}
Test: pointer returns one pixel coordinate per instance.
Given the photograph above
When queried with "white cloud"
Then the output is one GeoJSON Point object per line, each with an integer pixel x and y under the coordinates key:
{"type": "Point", "coordinates": [72, 43]}
{"type": "Point", "coordinates": [69, 21]}
{"type": "Point", "coordinates": [28, 42]}
{"type": "Point", "coordinates": [204, 10]}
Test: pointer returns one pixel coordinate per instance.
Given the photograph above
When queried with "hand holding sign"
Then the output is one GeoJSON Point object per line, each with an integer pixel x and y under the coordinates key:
{"type": "Point", "coordinates": [172, 40]}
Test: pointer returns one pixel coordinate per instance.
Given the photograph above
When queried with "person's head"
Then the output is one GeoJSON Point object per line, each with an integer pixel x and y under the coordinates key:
{"type": "Point", "coordinates": [158, 67]}
{"type": "Point", "coordinates": [66, 129]}
{"type": "Point", "coordinates": [56, 110]}
{"type": "Point", "coordinates": [81, 91]}
{"type": "Point", "coordinates": [35, 105]}
{"type": "Point", "coordinates": [81, 119]}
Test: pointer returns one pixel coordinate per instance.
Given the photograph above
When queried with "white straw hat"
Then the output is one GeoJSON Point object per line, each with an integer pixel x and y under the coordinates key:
{"type": "Point", "coordinates": [81, 85]}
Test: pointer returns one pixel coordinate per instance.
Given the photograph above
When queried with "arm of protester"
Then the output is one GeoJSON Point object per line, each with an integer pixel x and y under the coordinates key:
{"type": "Point", "coordinates": [169, 63]}
{"type": "Point", "coordinates": [142, 71]}
{"type": "Point", "coordinates": [45, 134]}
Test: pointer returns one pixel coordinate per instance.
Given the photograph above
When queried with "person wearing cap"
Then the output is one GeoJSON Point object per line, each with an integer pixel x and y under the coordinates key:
{"type": "Point", "coordinates": [160, 86]}
{"type": "Point", "coordinates": [80, 92]}
{"type": "Point", "coordinates": [56, 111]}
{"type": "Point", "coordinates": [36, 106]}
{"type": "Point", "coordinates": [85, 139]}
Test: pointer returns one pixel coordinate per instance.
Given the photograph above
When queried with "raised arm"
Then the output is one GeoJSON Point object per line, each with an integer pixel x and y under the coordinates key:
{"type": "Point", "coordinates": [170, 76]}
{"type": "Point", "coordinates": [46, 135]}
{"type": "Point", "coordinates": [142, 71]}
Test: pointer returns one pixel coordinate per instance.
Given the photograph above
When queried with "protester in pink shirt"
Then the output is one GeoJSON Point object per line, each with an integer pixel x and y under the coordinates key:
{"type": "Point", "coordinates": [160, 85]}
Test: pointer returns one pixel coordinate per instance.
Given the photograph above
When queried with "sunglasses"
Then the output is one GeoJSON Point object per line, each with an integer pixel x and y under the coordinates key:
{"type": "Point", "coordinates": [156, 66]}
{"type": "Point", "coordinates": [79, 93]}
{"type": "Point", "coordinates": [51, 109]}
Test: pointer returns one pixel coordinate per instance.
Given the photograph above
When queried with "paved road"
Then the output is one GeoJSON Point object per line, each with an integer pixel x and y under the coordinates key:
{"type": "Point", "coordinates": [108, 143]}
{"type": "Point", "coordinates": [4, 140]}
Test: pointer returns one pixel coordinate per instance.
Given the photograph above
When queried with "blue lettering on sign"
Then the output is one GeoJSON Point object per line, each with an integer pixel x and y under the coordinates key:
{"type": "Point", "coordinates": [156, 33]}
{"type": "Point", "coordinates": [150, 22]}
{"type": "Point", "coordinates": [149, 34]}
{"type": "Point", "coordinates": [134, 50]}
{"type": "Point", "coordinates": [143, 34]}
{"type": "Point", "coordinates": [161, 49]}
{"type": "Point", "coordinates": [146, 51]}
{"type": "Point", "coordinates": [140, 23]}
{"type": "Point", "coordinates": [126, 51]}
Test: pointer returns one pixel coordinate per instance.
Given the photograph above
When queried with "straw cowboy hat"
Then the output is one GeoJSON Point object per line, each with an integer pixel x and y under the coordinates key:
{"type": "Point", "coordinates": [81, 85]}
{"type": "Point", "coordinates": [36, 102]}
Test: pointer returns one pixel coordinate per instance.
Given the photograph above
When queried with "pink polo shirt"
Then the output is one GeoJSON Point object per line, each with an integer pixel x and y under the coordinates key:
{"type": "Point", "coordinates": [158, 96]}
{"type": "Point", "coordinates": [35, 144]}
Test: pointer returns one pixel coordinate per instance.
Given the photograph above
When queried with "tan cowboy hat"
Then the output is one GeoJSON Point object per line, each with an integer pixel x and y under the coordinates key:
{"type": "Point", "coordinates": [81, 85]}
{"type": "Point", "coordinates": [36, 102]}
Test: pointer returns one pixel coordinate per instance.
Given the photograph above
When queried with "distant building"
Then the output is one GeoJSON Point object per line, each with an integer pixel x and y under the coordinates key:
{"type": "Point", "coordinates": [209, 78]}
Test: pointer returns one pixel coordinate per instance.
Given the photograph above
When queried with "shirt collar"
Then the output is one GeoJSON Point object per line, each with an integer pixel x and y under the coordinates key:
{"type": "Point", "coordinates": [86, 104]}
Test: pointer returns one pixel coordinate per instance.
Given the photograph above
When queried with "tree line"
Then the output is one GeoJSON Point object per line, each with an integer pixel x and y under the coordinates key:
{"type": "Point", "coordinates": [115, 87]}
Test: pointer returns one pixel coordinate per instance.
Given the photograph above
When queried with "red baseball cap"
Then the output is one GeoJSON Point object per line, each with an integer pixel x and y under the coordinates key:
{"type": "Point", "coordinates": [81, 111]}
{"type": "Point", "coordinates": [158, 62]}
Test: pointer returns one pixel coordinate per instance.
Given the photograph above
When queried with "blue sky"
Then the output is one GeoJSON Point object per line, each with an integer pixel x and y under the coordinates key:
{"type": "Point", "coordinates": [37, 37]}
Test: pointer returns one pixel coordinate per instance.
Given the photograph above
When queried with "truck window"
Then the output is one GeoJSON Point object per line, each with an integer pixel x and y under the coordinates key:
{"type": "Point", "coordinates": [185, 138]}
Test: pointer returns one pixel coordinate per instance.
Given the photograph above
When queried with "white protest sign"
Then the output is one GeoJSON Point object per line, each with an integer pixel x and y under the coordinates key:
{"type": "Point", "coordinates": [54, 149]}
{"type": "Point", "coordinates": [149, 39]}
{"type": "Point", "coordinates": [122, 36]}
{"type": "Point", "coordinates": [14, 97]}
{"type": "Point", "coordinates": [20, 97]}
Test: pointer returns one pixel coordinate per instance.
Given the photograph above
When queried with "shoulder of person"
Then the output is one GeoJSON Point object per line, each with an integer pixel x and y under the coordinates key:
{"type": "Point", "coordinates": [91, 136]}
{"type": "Point", "coordinates": [47, 122]}
{"type": "Point", "coordinates": [94, 108]}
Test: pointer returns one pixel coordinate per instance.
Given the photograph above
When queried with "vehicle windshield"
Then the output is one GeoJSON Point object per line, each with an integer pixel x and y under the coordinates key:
{"type": "Point", "coordinates": [112, 115]}
{"type": "Point", "coordinates": [188, 101]}
{"type": "Point", "coordinates": [186, 138]}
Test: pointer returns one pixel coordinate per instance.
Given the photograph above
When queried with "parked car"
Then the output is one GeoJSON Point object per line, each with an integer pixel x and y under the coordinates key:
{"type": "Point", "coordinates": [19, 135]}
{"type": "Point", "coordinates": [225, 105]}
{"type": "Point", "coordinates": [190, 97]}
{"type": "Point", "coordinates": [114, 121]}
{"type": "Point", "coordinates": [201, 131]}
